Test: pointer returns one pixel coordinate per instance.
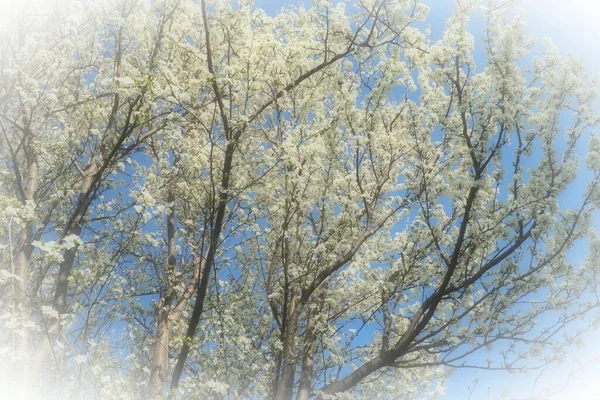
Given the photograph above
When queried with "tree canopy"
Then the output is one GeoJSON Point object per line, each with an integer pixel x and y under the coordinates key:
{"type": "Point", "coordinates": [202, 200]}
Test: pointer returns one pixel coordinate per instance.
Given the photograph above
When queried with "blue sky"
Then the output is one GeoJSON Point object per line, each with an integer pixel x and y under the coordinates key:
{"type": "Point", "coordinates": [571, 25]}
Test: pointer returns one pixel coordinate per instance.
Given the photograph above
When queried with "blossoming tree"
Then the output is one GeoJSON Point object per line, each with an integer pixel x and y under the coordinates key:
{"type": "Point", "coordinates": [200, 200]}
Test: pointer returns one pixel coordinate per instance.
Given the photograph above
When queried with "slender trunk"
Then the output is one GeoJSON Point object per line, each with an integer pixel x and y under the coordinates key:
{"type": "Point", "coordinates": [198, 306]}
{"type": "Point", "coordinates": [24, 251]}
{"type": "Point", "coordinates": [26, 237]}
{"type": "Point", "coordinates": [25, 248]}
{"type": "Point", "coordinates": [307, 362]}
{"type": "Point", "coordinates": [277, 374]}
{"type": "Point", "coordinates": [160, 356]}
{"type": "Point", "coordinates": [219, 217]}
{"type": "Point", "coordinates": [62, 284]}
{"type": "Point", "coordinates": [285, 387]}
{"type": "Point", "coordinates": [310, 345]}
{"type": "Point", "coordinates": [59, 302]}
{"type": "Point", "coordinates": [22, 265]}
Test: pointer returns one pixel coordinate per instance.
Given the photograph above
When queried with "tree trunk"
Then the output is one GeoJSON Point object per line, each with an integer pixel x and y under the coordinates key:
{"type": "Point", "coordinates": [59, 300]}
{"type": "Point", "coordinates": [285, 386]}
{"type": "Point", "coordinates": [24, 251]}
{"type": "Point", "coordinates": [173, 308]}
{"type": "Point", "coordinates": [307, 362]}
{"type": "Point", "coordinates": [310, 345]}
{"type": "Point", "coordinates": [219, 215]}
{"type": "Point", "coordinates": [160, 356]}
{"type": "Point", "coordinates": [160, 352]}
{"type": "Point", "coordinates": [62, 284]}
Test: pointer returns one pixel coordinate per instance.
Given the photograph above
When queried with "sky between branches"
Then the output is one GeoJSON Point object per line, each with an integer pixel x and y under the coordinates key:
{"type": "Point", "coordinates": [572, 25]}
